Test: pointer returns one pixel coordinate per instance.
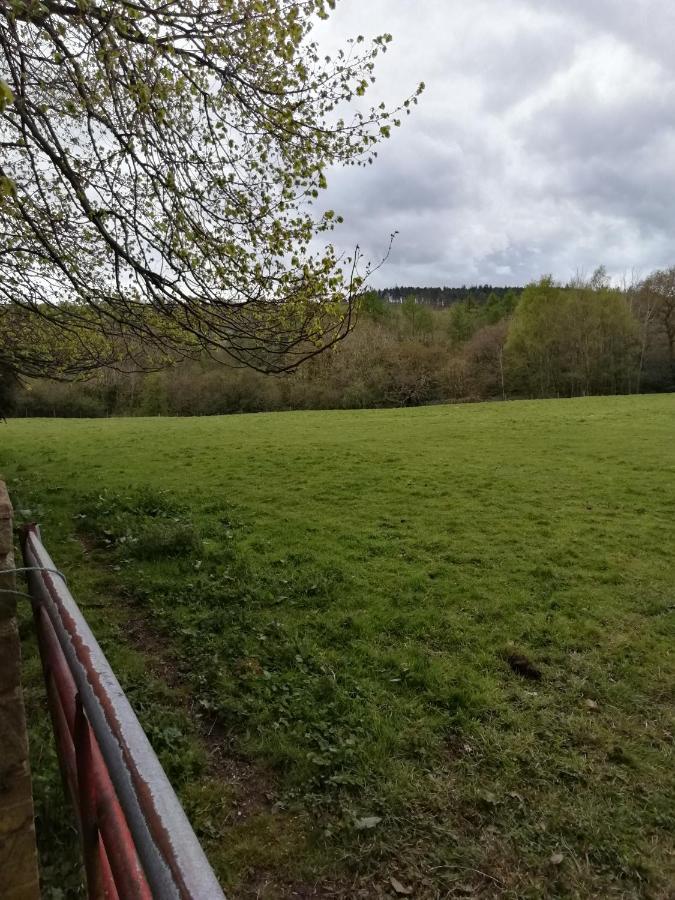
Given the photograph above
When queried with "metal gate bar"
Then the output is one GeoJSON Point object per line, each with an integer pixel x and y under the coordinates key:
{"type": "Point", "coordinates": [137, 841]}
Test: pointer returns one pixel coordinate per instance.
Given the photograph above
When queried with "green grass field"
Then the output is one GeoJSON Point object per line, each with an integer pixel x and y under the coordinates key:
{"type": "Point", "coordinates": [430, 645]}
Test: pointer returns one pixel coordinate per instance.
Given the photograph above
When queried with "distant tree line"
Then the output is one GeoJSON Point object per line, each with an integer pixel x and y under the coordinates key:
{"type": "Point", "coordinates": [446, 296]}
{"type": "Point", "coordinates": [546, 340]}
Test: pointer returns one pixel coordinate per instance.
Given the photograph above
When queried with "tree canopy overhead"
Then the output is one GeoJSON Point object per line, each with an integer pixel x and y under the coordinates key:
{"type": "Point", "coordinates": [161, 168]}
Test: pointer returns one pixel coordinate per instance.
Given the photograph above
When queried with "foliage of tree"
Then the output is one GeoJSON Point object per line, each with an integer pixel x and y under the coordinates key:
{"type": "Point", "coordinates": [462, 322]}
{"type": "Point", "coordinates": [485, 360]}
{"type": "Point", "coordinates": [374, 306]}
{"type": "Point", "coordinates": [417, 318]}
{"type": "Point", "coordinates": [574, 340]}
{"type": "Point", "coordinates": [447, 296]}
{"type": "Point", "coordinates": [160, 180]}
{"type": "Point", "coordinates": [469, 315]}
{"type": "Point", "coordinates": [584, 337]}
{"type": "Point", "coordinates": [656, 305]}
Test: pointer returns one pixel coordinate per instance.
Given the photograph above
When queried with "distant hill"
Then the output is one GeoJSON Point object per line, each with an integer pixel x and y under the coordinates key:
{"type": "Point", "coordinates": [446, 296]}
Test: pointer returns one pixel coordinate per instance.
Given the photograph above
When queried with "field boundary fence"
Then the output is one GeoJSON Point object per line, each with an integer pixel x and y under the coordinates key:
{"type": "Point", "coordinates": [136, 839]}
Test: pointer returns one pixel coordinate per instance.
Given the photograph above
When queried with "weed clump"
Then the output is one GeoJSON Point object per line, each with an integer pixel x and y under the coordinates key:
{"type": "Point", "coordinates": [142, 524]}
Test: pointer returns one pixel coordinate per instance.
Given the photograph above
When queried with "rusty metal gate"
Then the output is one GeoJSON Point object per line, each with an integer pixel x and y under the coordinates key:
{"type": "Point", "coordinates": [137, 842]}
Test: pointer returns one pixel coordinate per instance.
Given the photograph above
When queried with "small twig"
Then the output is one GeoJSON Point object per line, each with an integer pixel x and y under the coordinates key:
{"type": "Point", "coordinates": [469, 869]}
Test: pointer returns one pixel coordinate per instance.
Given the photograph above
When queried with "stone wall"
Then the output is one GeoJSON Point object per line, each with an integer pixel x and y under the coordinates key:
{"type": "Point", "coordinates": [18, 856]}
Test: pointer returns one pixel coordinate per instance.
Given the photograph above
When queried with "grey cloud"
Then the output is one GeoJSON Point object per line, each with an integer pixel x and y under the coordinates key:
{"type": "Point", "coordinates": [647, 25]}
{"type": "Point", "coordinates": [544, 142]}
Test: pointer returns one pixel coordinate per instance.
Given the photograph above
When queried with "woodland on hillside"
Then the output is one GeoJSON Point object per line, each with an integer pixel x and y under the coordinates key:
{"type": "Point", "coordinates": [409, 348]}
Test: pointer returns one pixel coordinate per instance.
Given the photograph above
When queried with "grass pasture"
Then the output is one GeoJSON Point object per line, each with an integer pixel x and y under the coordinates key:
{"type": "Point", "coordinates": [423, 652]}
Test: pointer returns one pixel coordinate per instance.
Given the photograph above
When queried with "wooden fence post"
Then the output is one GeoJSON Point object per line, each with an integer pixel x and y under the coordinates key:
{"type": "Point", "coordinates": [18, 854]}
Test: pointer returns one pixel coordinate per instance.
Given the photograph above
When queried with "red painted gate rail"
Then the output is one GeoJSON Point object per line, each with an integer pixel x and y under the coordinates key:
{"type": "Point", "coordinates": [137, 841]}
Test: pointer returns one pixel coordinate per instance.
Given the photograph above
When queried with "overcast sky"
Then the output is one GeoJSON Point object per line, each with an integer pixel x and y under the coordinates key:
{"type": "Point", "coordinates": [544, 142]}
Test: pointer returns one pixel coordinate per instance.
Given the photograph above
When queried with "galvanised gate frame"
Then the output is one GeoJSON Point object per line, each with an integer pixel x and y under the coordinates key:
{"type": "Point", "coordinates": [137, 841]}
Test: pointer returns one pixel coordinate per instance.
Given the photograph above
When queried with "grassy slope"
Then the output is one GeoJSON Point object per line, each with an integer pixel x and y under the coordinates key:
{"type": "Point", "coordinates": [344, 620]}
